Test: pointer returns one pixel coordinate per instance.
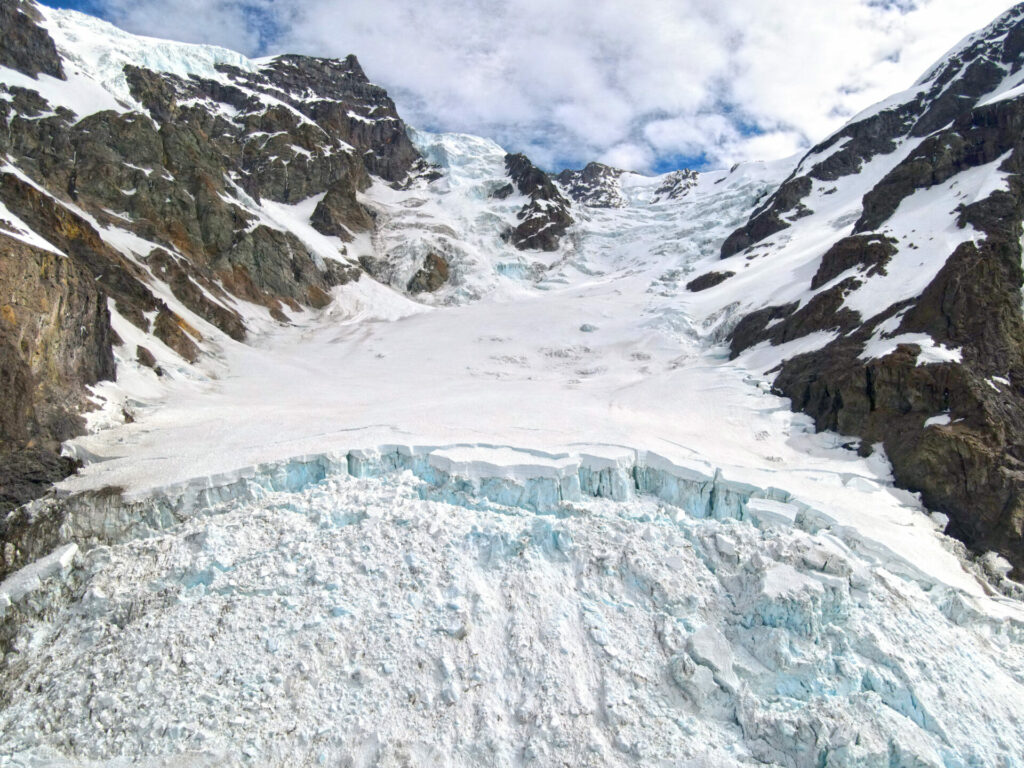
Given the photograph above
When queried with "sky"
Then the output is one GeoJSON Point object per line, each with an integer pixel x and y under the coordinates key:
{"type": "Point", "coordinates": [648, 85]}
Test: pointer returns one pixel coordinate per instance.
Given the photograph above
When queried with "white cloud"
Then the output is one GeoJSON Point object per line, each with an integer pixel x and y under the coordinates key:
{"type": "Point", "coordinates": [572, 80]}
{"type": "Point", "coordinates": [628, 155]}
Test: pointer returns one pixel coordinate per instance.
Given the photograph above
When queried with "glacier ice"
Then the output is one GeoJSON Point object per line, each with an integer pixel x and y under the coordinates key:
{"type": "Point", "coordinates": [421, 606]}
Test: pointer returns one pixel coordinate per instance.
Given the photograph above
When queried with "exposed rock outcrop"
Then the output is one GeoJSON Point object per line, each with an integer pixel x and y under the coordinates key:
{"type": "Point", "coordinates": [708, 280]}
{"type": "Point", "coordinates": [431, 276]}
{"type": "Point", "coordinates": [55, 340]}
{"type": "Point", "coordinates": [24, 45]}
{"type": "Point", "coordinates": [970, 463]}
{"type": "Point", "coordinates": [596, 186]}
{"type": "Point", "coordinates": [545, 218]}
{"type": "Point", "coordinates": [869, 252]}
{"type": "Point", "coordinates": [676, 185]}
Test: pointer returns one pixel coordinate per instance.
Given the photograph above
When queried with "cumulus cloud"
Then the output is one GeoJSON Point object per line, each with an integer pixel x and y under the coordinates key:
{"type": "Point", "coordinates": [644, 84]}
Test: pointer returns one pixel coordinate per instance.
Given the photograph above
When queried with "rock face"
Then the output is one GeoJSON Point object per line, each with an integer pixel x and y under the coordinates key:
{"type": "Point", "coordinates": [24, 45]}
{"type": "Point", "coordinates": [870, 253]}
{"type": "Point", "coordinates": [55, 340]}
{"type": "Point", "coordinates": [545, 218]}
{"type": "Point", "coordinates": [708, 280]}
{"type": "Point", "coordinates": [596, 186]}
{"type": "Point", "coordinates": [158, 209]}
{"type": "Point", "coordinates": [968, 463]}
{"type": "Point", "coordinates": [432, 276]}
{"type": "Point", "coordinates": [676, 185]}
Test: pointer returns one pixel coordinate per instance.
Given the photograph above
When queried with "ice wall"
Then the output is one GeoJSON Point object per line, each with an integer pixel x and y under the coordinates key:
{"type": "Point", "coordinates": [472, 476]}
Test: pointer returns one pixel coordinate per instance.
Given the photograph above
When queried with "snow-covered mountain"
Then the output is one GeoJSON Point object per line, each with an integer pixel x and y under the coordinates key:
{"type": "Point", "coordinates": [895, 245]}
{"type": "Point", "coordinates": [380, 447]}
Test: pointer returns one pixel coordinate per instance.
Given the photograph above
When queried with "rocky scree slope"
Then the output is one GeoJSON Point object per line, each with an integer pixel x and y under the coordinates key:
{"type": "Point", "coordinates": [951, 427]}
{"type": "Point", "coordinates": [182, 191]}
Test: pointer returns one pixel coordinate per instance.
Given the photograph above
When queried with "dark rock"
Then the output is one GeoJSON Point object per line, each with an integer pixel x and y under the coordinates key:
{"type": "Point", "coordinates": [979, 137]}
{"type": "Point", "coordinates": [596, 186]}
{"type": "Point", "coordinates": [55, 341]}
{"type": "Point", "coordinates": [545, 218]}
{"type": "Point", "coordinates": [824, 312]}
{"type": "Point", "coordinates": [869, 251]}
{"type": "Point", "coordinates": [676, 185]}
{"type": "Point", "coordinates": [768, 219]}
{"type": "Point", "coordinates": [340, 214]}
{"type": "Point", "coordinates": [317, 297]}
{"type": "Point", "coordinates": [24, 45]}
{"type": "Point", "coordinates": [146, 358]}
{"type": "Point", "coordinates": [752, 327]}
{"type": "Point", "coordinates": [27, 473]}
{"type": "Point", "coordinates": [431, 276]}
{"type": "Point", "coordinates": [973, 468]}
{"type": "Point", "coordinates": [708, 280]}
{"type": "Point", "coordinates": [116, 276]}
{"type": "Point", "coordinates": [192, 290]}
{"type": "Point", "coordinates": [337, 96]}
{"type": "Point", "coordinates": [173, 331]}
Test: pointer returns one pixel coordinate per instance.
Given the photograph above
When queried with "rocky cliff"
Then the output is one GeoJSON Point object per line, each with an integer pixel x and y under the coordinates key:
{"type": "Point", "coordinates": [951, 426]}
{"type": "Point", "coordinates": [545, 217]}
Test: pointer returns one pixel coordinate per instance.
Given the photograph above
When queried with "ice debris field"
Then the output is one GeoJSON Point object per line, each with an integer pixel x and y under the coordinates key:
{"type": "Point", "coordinates": [381, 610]}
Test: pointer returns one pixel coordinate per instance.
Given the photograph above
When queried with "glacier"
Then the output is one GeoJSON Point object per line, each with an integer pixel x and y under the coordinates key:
{"type": "Point", "coordinates": [461, 531]}
{"type": "Point", "coordinates": [536, 517]}
{"type": "Point", "coordinates": [409, 607]}
{"type": "Point", "coordinates": [379, 539]}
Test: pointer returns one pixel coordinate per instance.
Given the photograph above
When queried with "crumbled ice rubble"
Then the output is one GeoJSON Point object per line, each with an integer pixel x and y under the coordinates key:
{"type": "Point", "coordinates": [356, 622]}
{"type": "Point", "coordinates": [23, 583]}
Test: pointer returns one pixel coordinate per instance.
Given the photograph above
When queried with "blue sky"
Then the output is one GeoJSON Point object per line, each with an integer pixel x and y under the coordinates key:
{"type": "Point", "coordinates": [650, 85]}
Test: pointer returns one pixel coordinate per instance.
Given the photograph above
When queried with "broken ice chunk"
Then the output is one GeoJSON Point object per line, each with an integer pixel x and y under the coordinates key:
{"type": "Point", "coordinates": [710, 648]}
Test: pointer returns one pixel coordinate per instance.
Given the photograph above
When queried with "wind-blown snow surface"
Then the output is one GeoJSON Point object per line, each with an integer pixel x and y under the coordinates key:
{"type": "Point", "coordinates": [745, 590]}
